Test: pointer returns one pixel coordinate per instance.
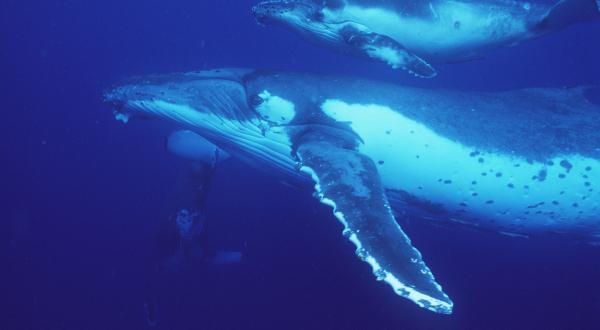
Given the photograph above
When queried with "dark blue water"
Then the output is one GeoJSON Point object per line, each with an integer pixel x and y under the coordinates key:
{"type": "Point", "coordinates": [84, 197]}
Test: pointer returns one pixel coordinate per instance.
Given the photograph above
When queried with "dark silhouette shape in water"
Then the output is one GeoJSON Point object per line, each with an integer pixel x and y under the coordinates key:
{"type": "Point", "coordinates": [183, 241]}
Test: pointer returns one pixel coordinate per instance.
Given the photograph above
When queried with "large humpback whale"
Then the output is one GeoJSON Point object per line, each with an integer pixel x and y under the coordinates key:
{"type": "Point", "coordinates": [520, 162]}
{"type": "Point", "coordinates": [412, 34]}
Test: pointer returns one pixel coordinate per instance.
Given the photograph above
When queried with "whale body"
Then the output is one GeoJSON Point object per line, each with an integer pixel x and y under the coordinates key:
{"type": "Point", "coordinates": [520, 162]}
{"type": "Point", "coordinates": [413, 34]}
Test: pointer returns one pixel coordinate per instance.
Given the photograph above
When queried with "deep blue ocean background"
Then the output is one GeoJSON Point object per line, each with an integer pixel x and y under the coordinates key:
{"type": "Point", "coordinates": [84, 197]}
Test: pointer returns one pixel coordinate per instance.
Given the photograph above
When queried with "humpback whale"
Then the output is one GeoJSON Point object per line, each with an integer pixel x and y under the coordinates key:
{"type": "Point", "coordinates": [521, 162]}
{"type": "Point", "coordinates": [412, 34]}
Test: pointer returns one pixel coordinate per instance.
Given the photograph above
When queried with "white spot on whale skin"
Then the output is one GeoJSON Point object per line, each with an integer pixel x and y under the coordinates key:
{"type": "Point", "coordinates": [122, 117]}
{"type": "Point", "coordinates": [276, 109]}
{"type": "Point", "coordinates": [388, 55]}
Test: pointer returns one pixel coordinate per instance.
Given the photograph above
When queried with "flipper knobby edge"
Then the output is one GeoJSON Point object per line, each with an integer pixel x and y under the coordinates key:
{"type": "Point", "coordinates": [349, 182]}
{"type": "Point", "coordinates": [443, 306]}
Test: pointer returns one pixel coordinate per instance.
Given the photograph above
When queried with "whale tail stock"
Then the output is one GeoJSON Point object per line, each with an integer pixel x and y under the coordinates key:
{"type": "Point", "coordinates": [567, 12]}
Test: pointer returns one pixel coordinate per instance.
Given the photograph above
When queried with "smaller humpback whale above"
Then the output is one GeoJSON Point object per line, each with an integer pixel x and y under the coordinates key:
{"type": "Point", "coordinates": [520, 162]}
{"type": "Point", "coordinates": [412, 34]}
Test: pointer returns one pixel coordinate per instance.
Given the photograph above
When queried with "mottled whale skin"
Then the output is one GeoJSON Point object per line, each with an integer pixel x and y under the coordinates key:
{"type": "Point", "coordinates": [521, 162]}
{"type": "Point", "coordinates": [413, 34]}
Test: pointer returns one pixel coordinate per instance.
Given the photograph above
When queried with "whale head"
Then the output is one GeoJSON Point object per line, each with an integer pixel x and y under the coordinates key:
{"type": "Point", "coordinates": [228, 107]}
{"type": "Point", "coordinates": [284, 11]}
{"type": "Point", "coordinates": [218, 93]}
{"type": "Point", "coordinates": [275, 121]}
{"type": "Point", "coordinates": [304, 17]}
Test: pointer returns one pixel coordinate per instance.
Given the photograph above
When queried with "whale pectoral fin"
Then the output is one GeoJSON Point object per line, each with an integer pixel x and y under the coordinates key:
{"type": "Point", "coordinates": [348, 181]}
{"type": "Point", "coordinates": [383, 48]}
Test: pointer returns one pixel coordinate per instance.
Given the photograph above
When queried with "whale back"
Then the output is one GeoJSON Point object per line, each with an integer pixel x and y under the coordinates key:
{"type": "Point", "coordinates": [536, 123]}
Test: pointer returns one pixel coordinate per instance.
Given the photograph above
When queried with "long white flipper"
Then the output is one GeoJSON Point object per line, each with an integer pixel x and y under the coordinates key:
{"type": "Point", "coordinates": [348, 181]}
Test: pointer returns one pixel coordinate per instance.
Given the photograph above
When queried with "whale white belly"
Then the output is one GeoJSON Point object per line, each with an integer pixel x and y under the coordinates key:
{"type": "Point", "coordinates": [498, 187]}
{"type": "Point", "coordinates": [453, 28]}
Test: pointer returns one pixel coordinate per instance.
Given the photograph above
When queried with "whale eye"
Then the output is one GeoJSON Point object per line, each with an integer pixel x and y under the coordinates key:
{"type": "Point", "coordinates": [318, 16]}
{"type": "Point", "coordinates": [256, 100]}
{"type": "Point", "coordinates": [273, 109]}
